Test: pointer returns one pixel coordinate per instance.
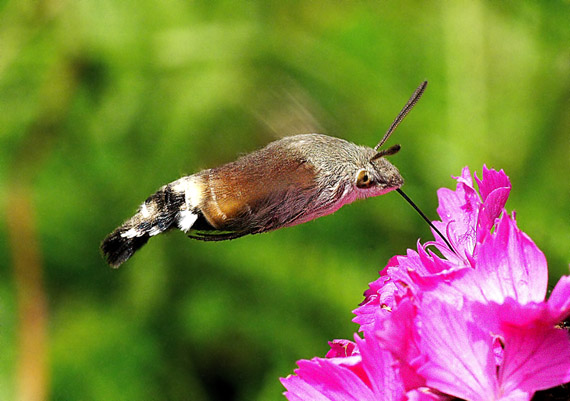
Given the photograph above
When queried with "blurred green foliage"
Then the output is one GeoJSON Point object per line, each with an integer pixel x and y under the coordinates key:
{"type": "Point", "coordinates": [102, 102]}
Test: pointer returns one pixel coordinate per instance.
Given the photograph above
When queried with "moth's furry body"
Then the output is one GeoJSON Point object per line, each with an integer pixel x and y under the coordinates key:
{"type": "Point", "coordinates": [290, 181]}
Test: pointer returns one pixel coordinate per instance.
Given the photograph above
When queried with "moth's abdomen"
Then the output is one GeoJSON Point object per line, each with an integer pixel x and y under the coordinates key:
{"type": "Point", "coordinates": [159, 212]}
{"type": "Point", "coordinates": [259, 192]}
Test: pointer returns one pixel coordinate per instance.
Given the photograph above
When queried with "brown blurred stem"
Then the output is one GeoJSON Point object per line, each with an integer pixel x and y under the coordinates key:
{"type": "Point", "coordinates": [32, 356]}
{"type": "Point", "coordinates": [31, 299]}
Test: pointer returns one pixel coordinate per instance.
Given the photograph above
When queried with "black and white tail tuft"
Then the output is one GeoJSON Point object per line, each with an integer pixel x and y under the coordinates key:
{"type": "Point", "coordinates": [159, 213]}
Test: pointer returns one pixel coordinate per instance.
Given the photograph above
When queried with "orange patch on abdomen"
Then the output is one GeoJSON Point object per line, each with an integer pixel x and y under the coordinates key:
{"type": "Point", "coordinates": [235, 192]}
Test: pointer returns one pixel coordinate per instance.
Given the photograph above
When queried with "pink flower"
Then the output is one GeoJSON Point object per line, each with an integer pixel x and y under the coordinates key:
{"type": "Point", "coordinates": [365, 375]}
{"type": "Point", "coordinates": [508, 265]}
{"type": "Point", "coordinates": [458, 346]}
{"type": "Point", "coordinates": [466, 217]}
{"type": "Point", "coordinates": [379, 298]}
{"type": "Point", "coordinates": [473, 324]}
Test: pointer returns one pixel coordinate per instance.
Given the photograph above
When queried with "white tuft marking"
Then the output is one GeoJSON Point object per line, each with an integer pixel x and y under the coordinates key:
{"type": "Point", "coordinates": [133, 232]}
{"type": "Point", "coordinates": [186, 219]}
{"type": "Point", "coordinates": [193, 193]}
{"type": "Point", "coordinates": [179, 185]}
{"type": "Point", "coordinates": [192, 188]}
{"type": "Point", "coordinates": [144, 211]}
{"type": "Point", "coordinates": [154, 231]}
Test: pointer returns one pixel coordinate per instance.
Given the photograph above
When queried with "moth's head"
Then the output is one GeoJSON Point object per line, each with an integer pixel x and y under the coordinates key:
{"type": "Point", "coordinates": [378, 176]}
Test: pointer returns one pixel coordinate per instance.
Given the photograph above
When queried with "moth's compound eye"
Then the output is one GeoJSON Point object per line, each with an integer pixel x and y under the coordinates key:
{"type": "Point", "coordinates": [363, 179]}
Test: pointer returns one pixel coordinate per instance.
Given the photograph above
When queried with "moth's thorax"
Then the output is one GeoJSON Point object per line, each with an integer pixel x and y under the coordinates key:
{"type": "Point", "coordinates": [337, 163]}
{"type": "Point", "coordinates": [337, 160]}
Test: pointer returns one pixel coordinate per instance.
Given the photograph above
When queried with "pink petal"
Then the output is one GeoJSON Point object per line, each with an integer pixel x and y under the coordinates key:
{"type": "Point", "coordinates": [397, 331]}
{"type": "Point", "coordinates": [465, 177]}
{"type": "Point", "coordinates": [491, 181]}
{"type": "Point", "coordinates": [536, 353]}
{"type": "Point", "coordinates": [301, 390]}
{"type": "Point", "coordinates": [536, 358]}
{"type": "Point", "coordinates": [397, 334]}
{"type": "Point", "coordinates": [419, 270]}
{"type": "Point", "coordinates": [466, 218]}
{"type": "Point", "coordinates": [379, 366]}
{"type": "Point", "coordinates": [559, 301]}
{"type": "Point", "coordinates": [460, 360]}
{"type": "Point", "coordinates": [342, 349]}
{"type": "Point", "coordinates": [425, 394]}
{"type": "Point", "coordinates": [322, 380]}
{"type": "Point", "coordinates": [511, 265]}
{"type": "Point", "coordinates": [489, 211]}
{"type": "Point", "coordinates": [495, 188]}
{"type": "Point", "coordinates": [458, 211]}
{"type": "Point", "coordinates": [508, 265]}
{"type": "Point", "coordinates": [516, 395]}
{"type": "Point", "coordinates": [512, 313]}
{"type": "Point", "coordinates": [379, 297]}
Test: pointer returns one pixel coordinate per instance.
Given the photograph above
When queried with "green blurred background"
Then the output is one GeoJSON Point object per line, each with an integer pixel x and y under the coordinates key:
{"type": "Point", "coordinates": [102, 102]}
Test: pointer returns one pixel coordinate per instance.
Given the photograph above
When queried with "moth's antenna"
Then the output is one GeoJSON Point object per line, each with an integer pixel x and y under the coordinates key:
{"type": "Point", "coordinates": [386, 152]}
{"type": "Point", "coordinates": [426, 219]}
{"type": "Point", "coordinates": [411, 103]}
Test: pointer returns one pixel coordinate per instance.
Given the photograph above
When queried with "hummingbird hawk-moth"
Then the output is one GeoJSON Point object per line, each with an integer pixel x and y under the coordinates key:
{"type": "Point", "coordinates": [290, 181]}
